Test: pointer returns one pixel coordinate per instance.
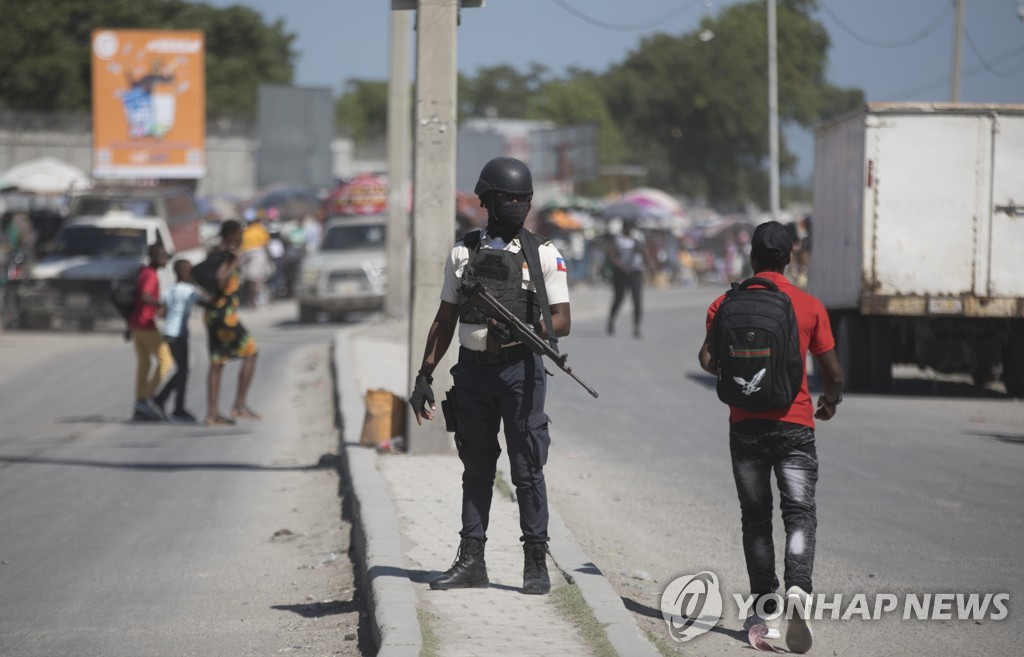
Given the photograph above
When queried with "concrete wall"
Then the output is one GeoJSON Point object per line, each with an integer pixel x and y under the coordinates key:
{"type": "Point", "coordinates": [230, 160]}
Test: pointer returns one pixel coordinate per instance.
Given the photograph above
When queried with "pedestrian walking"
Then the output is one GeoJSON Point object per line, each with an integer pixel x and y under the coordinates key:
{"type": "Point", "coordinates": [758, 336]}
{"type": "Point", "coordinates": [149, 344]}
{"type": "Point", "coordinates": [228, 338]}
{"type": "Point", "coordinates": [498, 381]}
{"type": "Point", "coordinates": [628, 257]}
{"type": "Point", "coordinates": [277, 251]}
{"type": "Point", "coordinates": [178, 301]}
{"type": "Point", "coordinates": [256, 263]}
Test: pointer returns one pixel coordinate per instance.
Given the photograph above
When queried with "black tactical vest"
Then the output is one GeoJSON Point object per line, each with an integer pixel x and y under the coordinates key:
{"type": "Point", "coordinates": [501, 272]}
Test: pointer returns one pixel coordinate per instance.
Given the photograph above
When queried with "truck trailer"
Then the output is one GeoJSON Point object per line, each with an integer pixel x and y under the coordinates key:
{"type": "Point", "coordinates": [918, 240]}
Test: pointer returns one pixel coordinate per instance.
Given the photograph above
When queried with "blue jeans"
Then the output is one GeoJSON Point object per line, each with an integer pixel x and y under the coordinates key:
{"type": "Point", "coordinates": [758, 447]}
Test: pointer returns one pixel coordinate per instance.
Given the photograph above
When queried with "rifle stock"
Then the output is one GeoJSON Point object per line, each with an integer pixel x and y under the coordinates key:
{"type": "Point", "coordinates": [478, 294]}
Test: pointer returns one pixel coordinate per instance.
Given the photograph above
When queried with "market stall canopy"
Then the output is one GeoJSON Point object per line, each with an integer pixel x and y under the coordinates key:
{"type": "Point", "coordinates": [45, 175]}
{"type": "Point", "coordinates": [290, 201]}
{"type": "Point", "coordinates": [365, 194]}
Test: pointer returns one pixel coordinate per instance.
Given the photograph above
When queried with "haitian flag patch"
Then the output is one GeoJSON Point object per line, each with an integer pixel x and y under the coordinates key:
{"type": "Point", "coordinates": [560, 263]}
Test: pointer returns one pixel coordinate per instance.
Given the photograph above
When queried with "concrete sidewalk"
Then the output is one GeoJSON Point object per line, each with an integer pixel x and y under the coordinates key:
{"type": "Point", "coordinates": [405, 512]}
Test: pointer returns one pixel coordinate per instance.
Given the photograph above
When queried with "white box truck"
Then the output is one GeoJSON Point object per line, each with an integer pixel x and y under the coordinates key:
{"type": "Point", "coordinates": [918, 240]}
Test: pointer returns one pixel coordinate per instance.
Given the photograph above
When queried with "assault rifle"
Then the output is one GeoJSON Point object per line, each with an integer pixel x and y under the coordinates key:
{"type": "Point", "coordinates": [477, 294]}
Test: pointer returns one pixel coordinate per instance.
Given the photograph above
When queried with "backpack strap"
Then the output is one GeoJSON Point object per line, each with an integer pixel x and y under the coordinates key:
{"type": "Point", "coordinates": [531, 249]}
{"type": "Point", "coordinates": [471, 240]}
{"type": "Point", "coordinates": [756, 281]}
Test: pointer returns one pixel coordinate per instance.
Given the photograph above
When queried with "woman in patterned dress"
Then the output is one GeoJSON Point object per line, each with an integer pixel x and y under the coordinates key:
{"type": "Point", "coordinates": [228, 338]}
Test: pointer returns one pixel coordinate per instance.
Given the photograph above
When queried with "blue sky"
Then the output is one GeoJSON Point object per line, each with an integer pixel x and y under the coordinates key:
{"type": "Point", "coordinates": [343, 39]}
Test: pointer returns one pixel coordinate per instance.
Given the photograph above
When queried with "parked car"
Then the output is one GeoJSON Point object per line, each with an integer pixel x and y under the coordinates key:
{"type": "Point", "coordinates": [349, 271]}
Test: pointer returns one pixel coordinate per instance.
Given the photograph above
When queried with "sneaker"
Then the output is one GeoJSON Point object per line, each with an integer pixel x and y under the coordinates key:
{"type": "Point", "coordinates": [143, 413]}
{"type": "Point", "coordinates": [798, 627]}
{"type": "Point", "coordinates": [771, 623]}
{"type": "Point", "coordinates": [158, 413]}
{"type": "Point", "coordinates": [183, 416]}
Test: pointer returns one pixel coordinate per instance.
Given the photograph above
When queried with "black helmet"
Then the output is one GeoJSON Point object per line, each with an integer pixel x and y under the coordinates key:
{"type": "Point", "coordinates": [504, 174]}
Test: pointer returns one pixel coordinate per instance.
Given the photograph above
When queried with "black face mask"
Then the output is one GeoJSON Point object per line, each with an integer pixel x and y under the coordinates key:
{"type": "Point", "coordinates": [505, 220]}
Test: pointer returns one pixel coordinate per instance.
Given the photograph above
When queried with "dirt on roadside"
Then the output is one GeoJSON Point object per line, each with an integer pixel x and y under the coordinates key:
{"type": "Point", "coordinates": [328, 614]}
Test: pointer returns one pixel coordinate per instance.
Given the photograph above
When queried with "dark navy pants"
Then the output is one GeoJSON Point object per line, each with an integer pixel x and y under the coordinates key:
{"type": "Point", "coordinates": [487, 396]}
{"type": "Point", "coordinates": [758, 447]}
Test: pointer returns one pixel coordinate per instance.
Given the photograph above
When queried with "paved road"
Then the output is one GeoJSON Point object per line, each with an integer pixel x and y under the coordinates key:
{"type": "Point", "coordinates": [139, 539]}
{"type": "Point", "coordinates": [919, 491]}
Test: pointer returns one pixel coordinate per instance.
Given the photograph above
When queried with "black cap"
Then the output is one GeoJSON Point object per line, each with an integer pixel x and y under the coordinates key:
{"type": "Point", "coordinates": [771, 241]}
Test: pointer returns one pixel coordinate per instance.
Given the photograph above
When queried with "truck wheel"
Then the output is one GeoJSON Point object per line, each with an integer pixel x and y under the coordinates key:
{"type": "Point", "coordinates": [1013, 360]}
{"type": "Point", "coordinates": [852, 348]}
{"type": "Point", "coordinates": [307, 314]}
{"type": "Point", "coordinates": [879, 354]}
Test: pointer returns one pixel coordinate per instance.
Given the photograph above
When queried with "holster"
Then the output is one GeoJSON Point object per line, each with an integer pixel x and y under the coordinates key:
{"type": "Point", "coordinates": [448, 410]}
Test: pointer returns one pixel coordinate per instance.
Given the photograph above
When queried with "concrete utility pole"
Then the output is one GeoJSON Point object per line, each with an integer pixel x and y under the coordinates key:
{"type": "Point", "coordinates": [958, 36]}
{"type": "Point", "coordinates": [773, 112]}
{"type": "Point", "coordinates": [433, 223]}
{"type": "Point", "coordinates": [396, 303]}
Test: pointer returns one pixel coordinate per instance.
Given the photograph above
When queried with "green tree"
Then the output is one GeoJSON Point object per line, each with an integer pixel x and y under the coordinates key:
{"type": "Point", "coordinates": [696, 112]}
{"type": "Point", "coordinates": [578, 101]}
{"type": "Point", "coordinates": [45, 47]}
{"type": "Point", "coordinates": [501, 91]}
{"type": "Point", "coordinates": [363, 109]}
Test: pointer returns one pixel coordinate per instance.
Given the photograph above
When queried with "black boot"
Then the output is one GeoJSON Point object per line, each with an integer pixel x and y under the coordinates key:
{"type": "Point", "coordinates": [535, 568]}
{"type": "Point", "coordinates": [469, 570]}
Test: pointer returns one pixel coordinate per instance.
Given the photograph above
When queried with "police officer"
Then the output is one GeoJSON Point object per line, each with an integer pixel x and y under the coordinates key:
{"type": "Point", "coordinates": [497, 379]}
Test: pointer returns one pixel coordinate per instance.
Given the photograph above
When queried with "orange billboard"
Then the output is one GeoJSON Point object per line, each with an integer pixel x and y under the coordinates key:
{"type": "Point", "coordinates": [148, 104]}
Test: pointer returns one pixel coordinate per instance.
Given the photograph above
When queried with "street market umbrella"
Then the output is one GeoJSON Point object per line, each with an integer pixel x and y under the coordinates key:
{"type": "Point", "coordinates": [632, 212]}
{"type": "Point", "coordinates": [45, 175]}
{"type": "Point", "coordinates": [654, 200]}
{"type": "Point", "coordinates": [648, 208]}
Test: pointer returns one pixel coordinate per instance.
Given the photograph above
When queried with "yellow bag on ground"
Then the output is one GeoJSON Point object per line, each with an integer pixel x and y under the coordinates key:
{"type": "Point", "coordinates": [385, 418]}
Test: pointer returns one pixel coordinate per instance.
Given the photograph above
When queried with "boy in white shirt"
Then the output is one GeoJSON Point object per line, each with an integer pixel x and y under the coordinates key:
{"type": "Point", "coordinates": [178, 301]}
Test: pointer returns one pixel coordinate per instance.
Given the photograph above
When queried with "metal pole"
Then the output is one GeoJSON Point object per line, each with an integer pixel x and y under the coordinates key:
{"type": "Point", "coordinates": [433, 224]}
{"type": "Point", "coordinates": [396, 302]}
{"type": "Point", "coordinates": [773, 112]}
{"type": "Point", "coordinates": [957, 54]}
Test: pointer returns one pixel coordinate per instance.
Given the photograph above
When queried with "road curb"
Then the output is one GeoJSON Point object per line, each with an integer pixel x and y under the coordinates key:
{"type": "Point", "coordinates": [375, 534]}
{"type": "Point", "coordinates": [622, 631]}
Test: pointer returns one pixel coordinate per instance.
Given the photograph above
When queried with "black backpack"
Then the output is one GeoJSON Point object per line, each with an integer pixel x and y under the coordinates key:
{"type": "Point", "coordinates": [204, 274]}
{"type": "Point", "coordinates": [122, 295]}
{"type": "Point", "coordinates": [756, 340]}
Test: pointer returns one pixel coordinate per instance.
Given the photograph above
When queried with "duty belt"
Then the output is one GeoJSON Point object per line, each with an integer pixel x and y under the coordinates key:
{"type": "Point", "coordinates": [506, 355]}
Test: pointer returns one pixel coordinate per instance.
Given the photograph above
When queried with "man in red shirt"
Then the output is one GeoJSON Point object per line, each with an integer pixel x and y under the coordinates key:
{"type": "Point", "coordinates": [149, 344]}
{"type": "Point", "coordinates": [782, 440]}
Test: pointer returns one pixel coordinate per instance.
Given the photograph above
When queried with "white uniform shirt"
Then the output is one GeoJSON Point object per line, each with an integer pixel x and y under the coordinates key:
{"type": "Point", "coordinates": [474, 336]}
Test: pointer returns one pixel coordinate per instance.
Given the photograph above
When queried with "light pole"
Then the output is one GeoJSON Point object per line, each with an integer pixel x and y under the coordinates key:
{"type": "Point", "coordinates": [396, 303]}
{"type": "Point", "coordinates": [773, 112]}
{"type": "Point", "coordinates": [957, 56]}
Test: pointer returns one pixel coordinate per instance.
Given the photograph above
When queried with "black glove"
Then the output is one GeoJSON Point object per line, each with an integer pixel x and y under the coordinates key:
{"type": "Point", "coordinates": [499, 332]}
{"type": "Point", "coordinates": [422, 395]}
